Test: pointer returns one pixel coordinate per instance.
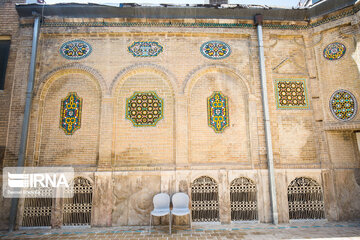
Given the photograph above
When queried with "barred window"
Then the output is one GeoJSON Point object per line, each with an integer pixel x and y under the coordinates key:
{"type": "Point", "coordinates": [205, 200]}
{"type": "Point", "coordinates": [77, 210]}
{"type": "Point", "coordinates": [243, 200]}
{"type": "Point", "coordinates": [305, 199]}
{"type": "Point", "coordinates": [37, 212]}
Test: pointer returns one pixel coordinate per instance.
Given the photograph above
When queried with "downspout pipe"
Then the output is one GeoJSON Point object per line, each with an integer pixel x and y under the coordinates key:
{"type": "Point", "coordinates": [25, 125]}
{"type": "Point", "coordinates": [270, 157]}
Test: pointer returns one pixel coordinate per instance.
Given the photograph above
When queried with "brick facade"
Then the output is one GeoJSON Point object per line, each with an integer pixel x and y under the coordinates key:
{"type": "Point", "coordinates": [129, 164]}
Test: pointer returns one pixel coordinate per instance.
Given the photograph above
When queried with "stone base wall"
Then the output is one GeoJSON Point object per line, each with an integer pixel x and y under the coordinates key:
{"type": "Point", "coordinates": [125, 198]}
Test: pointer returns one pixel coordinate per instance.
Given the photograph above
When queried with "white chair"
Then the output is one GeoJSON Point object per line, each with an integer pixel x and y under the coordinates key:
{"type": "Point", "coordinates": [180, 203]}
{"type": "Point", "coordinates": [161, 207]}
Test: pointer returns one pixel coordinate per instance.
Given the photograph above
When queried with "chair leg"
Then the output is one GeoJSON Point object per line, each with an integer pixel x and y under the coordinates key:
{"type": "Point", "coordinates": [150, 223]}
{"type": "Point", "coordinates": [170, 223]}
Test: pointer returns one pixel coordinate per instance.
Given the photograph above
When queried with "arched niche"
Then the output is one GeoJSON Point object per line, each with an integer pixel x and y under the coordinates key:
{"type": "Point", "coordinates": [232, 144]}
{"type": "Point", "coordinates": [149, 144]}
{"type": "Point", "coordinates": [53, 145]}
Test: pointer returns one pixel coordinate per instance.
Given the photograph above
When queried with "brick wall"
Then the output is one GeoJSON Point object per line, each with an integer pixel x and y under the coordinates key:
{"type": "Point", "coordinates": [8, 31]}
{"type": "Point", "coordinates": [304, 141]}
{"type": "Point", "coordinates": [9, 24]}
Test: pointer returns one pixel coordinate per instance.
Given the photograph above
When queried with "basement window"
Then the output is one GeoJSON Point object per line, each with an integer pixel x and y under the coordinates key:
{"type": "Point", "coordinates": [4, 55]}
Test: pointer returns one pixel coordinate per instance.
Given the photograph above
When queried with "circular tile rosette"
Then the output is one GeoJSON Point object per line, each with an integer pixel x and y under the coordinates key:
{"type": "Point", "coordinates": [215, 50]}
{"type": "Point", "coordinates": [334, 51]}
{"type": "Point", "coordinates": [343, 105]}
{"type": "Point", "coordinates": [76, 49]}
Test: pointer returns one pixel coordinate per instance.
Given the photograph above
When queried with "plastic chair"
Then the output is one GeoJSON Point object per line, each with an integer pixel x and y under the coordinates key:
{"type": "Point", "coordinates": [161, 207]}
{"type": "Point", "coordinates": [180, 203]}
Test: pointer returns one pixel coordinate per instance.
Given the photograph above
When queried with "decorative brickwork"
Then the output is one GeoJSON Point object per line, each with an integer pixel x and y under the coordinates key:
{"type": "Point", "coordinates": [334, 51]}
{"type": "Point", "coordinates": [124, 159]}
{"type": "Point", "coordinates": [144, 109]}
{"type": "Point", "coordinates": [215, 50]}
{"type": "Point", "coordinates": [145, 49]}
{"type": "Point", "coordinates": [218, 112]}
{"type": "Point", "coordinates": [343, 105]}
{"type": "Point", "coordinates": [76, 49]}
{"type": "Point", "coordinates": [70, 113]}
{"type": "Point", "coordinates": [291, 94]}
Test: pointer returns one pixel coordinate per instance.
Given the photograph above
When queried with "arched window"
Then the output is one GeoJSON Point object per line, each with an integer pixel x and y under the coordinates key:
{"type": "Point", "coordinates": [37, 212]}
{"type": "Point", "coordinates": [205, 200]}
{"type": "Point", "coordinates": [305, 199]}
{"type": "Point", "coordinates": [77, 210]}
{"type": "Point", "coordinates": [243, 200]}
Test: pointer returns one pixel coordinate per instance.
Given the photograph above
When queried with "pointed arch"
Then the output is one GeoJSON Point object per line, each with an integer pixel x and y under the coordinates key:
{"type": "Point", "coordinates": [305, 199]}
{"type": "Point", "coordinates": [141, 68]}
{"type": "Point", "coordinates": [243, 199]}
{"type": "Point", "coordinates": [77, 210]}
{"type": "Point", "coordinates": [54, 74]}
{"type": "Point", "coordinates": [55, 86]}
{"type": "Point", "coordinates": [144, 79]}
{"type": "Point", "coordinates": [198, 88]}
{"type": "Point", "coordinates": [196, 73]}
{"type": "Point", "coordinates": [205, 200]}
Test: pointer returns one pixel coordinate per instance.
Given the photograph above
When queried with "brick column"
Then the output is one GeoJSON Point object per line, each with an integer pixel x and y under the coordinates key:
{"type": "Point", "coordinates": [181, 126]}
{"type": "Point", "coordinates": [106, 133]}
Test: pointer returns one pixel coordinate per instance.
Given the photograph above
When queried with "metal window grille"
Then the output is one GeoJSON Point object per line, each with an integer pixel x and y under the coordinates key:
{"type": "Point", "coordinates": [77, 210]}
{"type": "Point", "coordinates": [305, 199]}
{"type": "Point", "coordinates": [205, 200]}
{"type": "Point", "coordinates": [243, 200]}
{"type": "Point", "coordinates": [37, 211]}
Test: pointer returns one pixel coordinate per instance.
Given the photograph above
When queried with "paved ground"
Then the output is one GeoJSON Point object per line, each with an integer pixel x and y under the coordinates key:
{"type": "Point", "coordinates": [297, 230]}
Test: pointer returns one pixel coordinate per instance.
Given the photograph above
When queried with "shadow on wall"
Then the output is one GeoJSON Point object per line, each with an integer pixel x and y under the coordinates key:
{"type": "Point", "coordinates": [2, 154]}
{"type": "Point", "coordinates": [5, 202]}
{"type": "Point", "coordinates": [4, 213]}
{"type": "Point", "coordinates": [357, 175]}
{"type": "Point", "coordinates": [11, 158]}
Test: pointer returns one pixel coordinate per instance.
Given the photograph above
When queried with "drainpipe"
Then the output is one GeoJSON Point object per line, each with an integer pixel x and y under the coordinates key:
{"type": "Point", "coordinates": [25, 125]}
{"type": "Point", "coordinates": [270, 157]}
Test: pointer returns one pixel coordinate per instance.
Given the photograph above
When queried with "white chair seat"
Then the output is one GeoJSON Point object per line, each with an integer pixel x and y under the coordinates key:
{"type": "Point", "coordinates": [160, 212]}
{"type": "Point", "coordinates": [180, 211]}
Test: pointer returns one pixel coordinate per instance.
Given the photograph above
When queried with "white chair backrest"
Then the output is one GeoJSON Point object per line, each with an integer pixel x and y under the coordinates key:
{"type": "Point", "coordinates": [161, 201]}
{"type": "Point", "coordinates": [180, 200]}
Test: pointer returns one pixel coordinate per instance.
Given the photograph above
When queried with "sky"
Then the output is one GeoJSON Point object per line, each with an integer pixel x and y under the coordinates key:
{"type": "Point", "coordinates": [273, 3]}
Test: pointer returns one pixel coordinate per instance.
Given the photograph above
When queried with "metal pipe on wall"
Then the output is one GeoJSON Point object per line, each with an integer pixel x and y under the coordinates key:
{"type": "Point", "coordinates": [25, 125]}
{"type": "Point", "coordinates": [270, 157]}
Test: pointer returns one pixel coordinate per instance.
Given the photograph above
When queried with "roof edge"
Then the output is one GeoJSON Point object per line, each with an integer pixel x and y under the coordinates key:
{"type": "Point", "coordinates": [200, 11]}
